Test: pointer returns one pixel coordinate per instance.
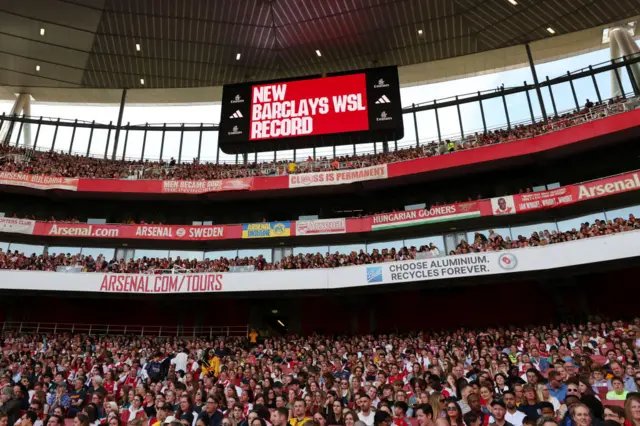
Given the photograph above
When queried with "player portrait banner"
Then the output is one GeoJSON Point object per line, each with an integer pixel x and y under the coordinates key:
{"type": "Point", "coordinates": [41, 182]}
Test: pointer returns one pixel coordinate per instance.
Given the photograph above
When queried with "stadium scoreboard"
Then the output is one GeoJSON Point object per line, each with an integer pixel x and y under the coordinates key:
{"type": "Point", "coordinates": [337, 109]}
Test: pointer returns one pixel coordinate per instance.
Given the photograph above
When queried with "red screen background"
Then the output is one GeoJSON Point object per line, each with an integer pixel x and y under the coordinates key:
{"type": "Point", "coordinates": [332, 122]}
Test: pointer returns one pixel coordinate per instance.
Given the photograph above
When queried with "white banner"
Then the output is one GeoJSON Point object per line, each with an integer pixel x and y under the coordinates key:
{"type": "Point", "coordinates": [580, 252]}
{"type": "Point", "coordinates": [16, 226]}
{"type": "Point", "coordinates": [321, 226]}
{"type": "Point", "coordinates": [338, 177]}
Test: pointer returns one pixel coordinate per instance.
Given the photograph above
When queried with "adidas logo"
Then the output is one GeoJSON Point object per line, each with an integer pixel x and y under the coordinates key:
{"type": "Point", "coordinates": [383, 100]}
{"type": "Point", "coordinates": [236, 114]}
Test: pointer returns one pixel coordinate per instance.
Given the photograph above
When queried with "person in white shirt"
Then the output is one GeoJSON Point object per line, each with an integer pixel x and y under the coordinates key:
{"type": "Point", "coordinates": [366, 413]}
{"type": "Point", "coordinates": [513, 416]}
{"type": "Point", "coordinates": [180, 361]}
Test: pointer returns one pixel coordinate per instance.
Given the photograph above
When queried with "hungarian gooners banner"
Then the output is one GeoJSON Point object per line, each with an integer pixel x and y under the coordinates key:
{"type": "Point", "coordinates": [424, 216]}
{"type": "Point", "coordinates": [38, 181]}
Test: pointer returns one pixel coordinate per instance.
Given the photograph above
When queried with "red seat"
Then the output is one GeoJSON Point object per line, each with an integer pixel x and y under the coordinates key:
{"type": "Point", "coordinates": [602, 393]}
{"type": "Point", "coordinates": [613, 403]}
{"type": "Point", "coordinates": [413, 421]}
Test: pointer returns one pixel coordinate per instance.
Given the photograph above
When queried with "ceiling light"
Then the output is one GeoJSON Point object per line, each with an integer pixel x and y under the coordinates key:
{"type": "Point", "coordinates": [37, 67]}
{"type": "Point", "coordinates": [551, 30]}
{"type": "Point", "coordinates": [513, 2]}
{"type": "Point", "coordinates": [318, 52]}
{"type": "Point", "coordinates": [142, 81]}
{"type": "Point", "coordinates": [238, 57]}
{"type": "Point", "coordinates": [41, 31]}
{"type": "Point", "coordinates": [419, 32]}
{"type": "Point", "coordinates": [137, 47]}
{"type": "Point", "coordinates": [281, 323]}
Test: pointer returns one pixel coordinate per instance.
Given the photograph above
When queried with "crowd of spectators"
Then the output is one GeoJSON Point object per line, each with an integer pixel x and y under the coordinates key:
{"type": "Point", "coordinates": [480, 243]}
{"type": "Point", "coordinates": [547, 375]}
{"type": "Point", "coordinates": [17, 159]}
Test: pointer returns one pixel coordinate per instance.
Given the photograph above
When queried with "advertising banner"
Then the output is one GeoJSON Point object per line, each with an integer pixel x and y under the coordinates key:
{"type": "Point", "coordinates": [147, 232]}
{"type": "Point", "coordinates": [545, 199]}
{"type": "Point", "coordinates": [608, 186]}
{"type": "Point", "coordinates": [337, 177]}
{"type": "Point", "coordinates": [321, 227]}
{"type": "Point", "coordinates": [580, 252]}
{"type": "Point", "coordinates": [17, 226]}
{"type": "Point", "coordinates": [266, 230]}
{"type": "Point", "coordinates": [423, 216]}
{"type": "Point", "coordinates": [205, 186]}
{"type": "Point", "coordinates": [38, 181]}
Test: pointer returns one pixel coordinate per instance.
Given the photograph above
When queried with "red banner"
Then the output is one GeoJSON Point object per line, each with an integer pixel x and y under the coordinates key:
{"type": "Point", "coordinates": [38, 181]}
{"type": "Point", "coordinates": [545, 199]}
{"type": "Point", "coordinates": [608, 186]}
{"type": "Point", "coordinates": [205, 186]}
{"type": "Point", "coordinates": [135, 232]}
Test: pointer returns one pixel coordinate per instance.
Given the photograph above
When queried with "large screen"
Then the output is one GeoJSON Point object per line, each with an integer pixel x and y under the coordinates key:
{"type": "Point", "coordinates": [362, 106]}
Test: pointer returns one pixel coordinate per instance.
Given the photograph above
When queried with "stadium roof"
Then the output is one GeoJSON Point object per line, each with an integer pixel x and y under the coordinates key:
{"type": "Point", "coordinates": [111, 44]}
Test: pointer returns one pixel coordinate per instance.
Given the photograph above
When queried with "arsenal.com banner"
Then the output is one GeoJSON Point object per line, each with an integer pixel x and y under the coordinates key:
{"type": "Point", "coordinates": [38, 181]}
{"type": "Point", "coordinates": [337, 177]}
{"type": "Point", "coordinates": [321, 227]}
{"type": "Point", "coordinates": [135, 232]}
{"type": "Point", "coordinates": [205, 186]}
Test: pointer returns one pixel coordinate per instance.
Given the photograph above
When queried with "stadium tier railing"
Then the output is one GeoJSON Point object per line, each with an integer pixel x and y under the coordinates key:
{"type": "Point", "coordinates": [142, 330]}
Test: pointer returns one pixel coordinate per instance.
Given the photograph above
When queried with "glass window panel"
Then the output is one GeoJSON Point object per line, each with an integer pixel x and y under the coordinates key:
{"type": "Point", "coordinates": [494, 113]}
{"type": "Point", "coordinates": [471, 118]}
{"type": "Point", "coordinates": [266, 253]}
{"type": "Point", "coordinates": [63, 139]}
{"type": "Point", "coordinates": [209, 146]}
{"type": "Point", "coordinates": [503, 232]}
{"type": "Point", "coordinates": [63, 250]}
{"type": "Point", "coordinates": [563, 98]}
{"type": "Point", "coordinates": [570, 224]}
{"type": "Point", "coordinates": [427, 126]}
{"type": "Point", "coordinates": [80, 142]}
{"type": "Point", "coordinates": [45, 136]}
{"type": "Point", "coordinates": [398, 244]}
{"type": "Point", "coordinates": [346, 248]}
{"type": "Point", "coordinates": [437, 240]}
{"type": "Point", "coordinates": [171, 145]}
{"type": "Point", "coordinates": [229, 254]}
{"type": "Point", "coordinates": [4, 246]}
{"type": "Point", "coordinates": [101, 113]}
{"type": "Point", "coordinates": [27, 249]}
{"type": "Point", "coordinates": [186, 254]}
{"type": "Point", "coordinates": [518, 108]}
{"type": "Point", "coordinates": [152, 147]}
{"type": "Point", "coordinates": [311, 250]}
{"type": "Point", "coordinates": [140, 253]}
{"type": "Point", "coordinates": [409, 132]}
{"type": "Point", "coordinates": [623, 212]}
{"type": "Point", "coordinates": [108, 253]}
{"type": "Point", "coordinates": [527, 230]}
{"type": "Point", "coordinates": [344, 150]}
{"type": "Point", "coordinates": [134, 145]}
{"type": "Point", "coordinates": [535, 105]}
{"type": "Point", "coordinates": [190, 146]}
{"type": "Point", "coordinates": [449, 125]}
{"type": "Point", "coordinates": [585, 90]}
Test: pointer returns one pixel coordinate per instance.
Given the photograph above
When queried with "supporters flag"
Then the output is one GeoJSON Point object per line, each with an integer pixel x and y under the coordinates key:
{"type": "Point", "coordinates": [346, 108]}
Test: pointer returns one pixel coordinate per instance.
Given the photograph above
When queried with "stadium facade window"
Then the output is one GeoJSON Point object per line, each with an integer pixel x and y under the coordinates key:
{"type": "Point", "coordinates": [4, 246]}
{"type": "Point", "coordinates": [576, 222]}
{"type": "Point", "coordinates": [229, 254]}
{"type": "Point", "coordinates": [186, 254]}
{"type": "Point", "coordinates": [108, 253]}
{"type": "Point", "coordinates": [266, 253]}
{"type": "Point", "coordinates": [623, 212]}
{"type": "Point", "coordinates": [323, 250]}
{"type": "Point", "coordinates": [63, 250]}
{"type": "Point", "coordinates": [347, 248]}
{"type": "Point", "coordinates": [437, 240]}
{"type": "Point", "coordinates": [527, 230]}
{"type": "Point", "coordinates": [140, 253]}
{"type": "Point", "coordinates": [27, 249]}
{"type": "Point", "coordinates": [396, 244]}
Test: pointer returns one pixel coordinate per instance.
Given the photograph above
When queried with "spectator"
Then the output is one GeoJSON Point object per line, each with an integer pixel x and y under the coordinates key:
{"type": "Point", "coordinates": [10, 405]}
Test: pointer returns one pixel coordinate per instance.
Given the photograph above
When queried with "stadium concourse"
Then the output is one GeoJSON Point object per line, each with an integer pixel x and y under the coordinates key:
{"type": "Point", "coordinates": [20, 160]}
{"type": "Point", "coordinates": [567, 374]}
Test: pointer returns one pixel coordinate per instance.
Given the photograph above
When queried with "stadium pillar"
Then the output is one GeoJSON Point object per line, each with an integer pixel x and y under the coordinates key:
{"type": "Point", "coordinates": [200, 141]}
{"type": "Point", "coordinates": [536, 83]}
{"type": "Point", "coordinates": [573, 91]}
{"type": "Point", "coordinates": [484, 121]}
{"type": "Point", "coordinates": [385, 146]}
{"type": "Point", "coordinates": [533, 119]}
{"type": "Point", "coordinates": [459, 118]}
{"type": "Point", "coordinates": [123, 100]}
{"type": "Point", "coordinates": [553, 99]}
{"type": "Point", "coordinates": [622, 44]}
{"type": "Point", "coordinates": [506, 110]}
{"type": "Point", "coordinates": [595, 83]}
{"type": "Point", "coordinates": [415, 125]}
{"type": "Point", "coordinates": [26, 111]}
{"type": "Point", "coordinates": [7, 128]}
{"type": "Point", "coordinates": [437, 121]}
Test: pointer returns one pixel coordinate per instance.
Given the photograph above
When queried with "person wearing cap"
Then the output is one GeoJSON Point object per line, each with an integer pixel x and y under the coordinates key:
{"type": "Point", "coordinates": [498, 411]}
{"type": "Point", "coordinates": [211, 415]}
{"type": "Point", "coordinates": [162, 413]}
{"type": "Point", "coordinates": [169, 421]}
